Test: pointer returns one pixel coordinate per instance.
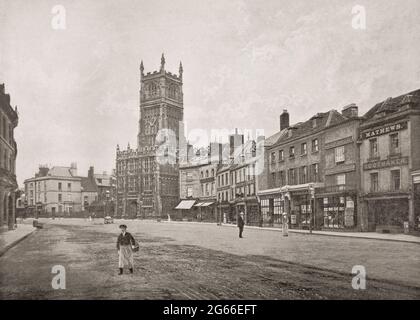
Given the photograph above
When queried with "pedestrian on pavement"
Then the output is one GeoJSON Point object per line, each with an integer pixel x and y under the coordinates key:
{"type": "Point", "coordinates": [125, 252]}
{"type": "Point", "coordinates": [241, 223]}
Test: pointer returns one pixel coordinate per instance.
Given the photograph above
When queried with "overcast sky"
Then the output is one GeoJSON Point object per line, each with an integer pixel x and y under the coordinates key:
{"type": "Point", "coordinates": [244, 62]}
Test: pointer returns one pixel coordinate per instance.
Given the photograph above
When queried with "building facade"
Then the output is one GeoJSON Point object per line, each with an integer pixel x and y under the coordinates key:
{"type": "Point", "coordinates": [8, 154]}
{"type": "Point", "coordinates": [390, 161]}
{"type": "Point", "coordinates": [54, 191]}
{"type": "Point", "coordinates": [311, 172]}
{"type": "Point", "coordinates": [148, 176]}
{"type": "Point", "coordinates": [60, 192]}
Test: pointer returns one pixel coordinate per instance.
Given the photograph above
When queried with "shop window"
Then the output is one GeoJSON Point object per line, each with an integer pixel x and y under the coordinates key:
{"type": "Point", "coordinates": [395, 180]}
{"type": "Point", "coordinates": [374, 182]}
{"type": "Point", "coordinates": [315, 146]}
{"type": "Point", "coordinates": [373, 148]}
{"type": "Point", "coordinates": [394, 144]}
{"type": "Point", "coordinates": [339, 155]}
{"type": "Point", "coordinates": [339, 212]}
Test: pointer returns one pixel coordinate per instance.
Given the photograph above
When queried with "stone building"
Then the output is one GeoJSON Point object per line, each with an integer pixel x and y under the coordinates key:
{"type": "Point", "coordinates": [236, 182]}
{"type": "Point", "coordinates": [148, 176]}
{"type": "Point", "coordinates": [338, 200]}
{"type": "Point", "coordinates": [54, 191]}
{"type": "Point", "coordinates": [8, 154]}
{"type": "Point", "coordinates": [310, 169]}
{"type": "Point", "coordinates": [390, 161]}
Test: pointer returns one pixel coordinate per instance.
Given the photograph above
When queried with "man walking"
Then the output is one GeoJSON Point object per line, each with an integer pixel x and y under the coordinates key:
{"type": "Point", "coordinates": [241, 223]}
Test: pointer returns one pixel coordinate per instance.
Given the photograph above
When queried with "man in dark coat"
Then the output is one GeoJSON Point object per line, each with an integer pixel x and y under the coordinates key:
{"type": "Point", "coordinates": [241, 223]}
{"type": "Point", "coordinates": [125, 242]}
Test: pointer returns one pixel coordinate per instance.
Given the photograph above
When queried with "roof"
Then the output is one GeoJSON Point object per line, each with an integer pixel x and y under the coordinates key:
{"type": "Point", "coordinates": [60, 172]}
{"type": "Point", "coordinates": [391, 105]}
{"type": "Point", "coordinates": [88, 185]}
{"type": "Point", "coordinates": [274, 138]}
{"type": "Point", "coordinates": [105, 180]}
{"type": "Point", "coordinates": [324, 120]}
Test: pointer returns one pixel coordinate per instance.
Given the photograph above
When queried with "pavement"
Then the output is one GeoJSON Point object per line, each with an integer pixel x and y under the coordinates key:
{"type": "Point", "coordinates": [10, 238]}
{"type": "Point", "coordinates": [360, 235]}
{"type": "Point", "coordinates": [205, 261]}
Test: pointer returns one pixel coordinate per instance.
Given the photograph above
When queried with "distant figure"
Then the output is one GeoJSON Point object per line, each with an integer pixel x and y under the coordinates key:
{"type": "Point", "coordinates": [125, 252]}
{"type": "Point", "coordinates": [241, 223]}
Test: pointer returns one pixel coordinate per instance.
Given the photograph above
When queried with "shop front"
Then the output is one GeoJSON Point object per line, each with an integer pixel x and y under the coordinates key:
{"type": "Point", "coordinates": [206, 211]}
{"type": "Point", "coordinates": [185, 209]}
{"type": "Point", "coordinates": [387, 213]}
{"type": "Point", "coordinates": [301, 210]}
{"type": "Point", "coordinates": [250, 207]}
{"type": "Point", "coordinates": [338, 209]}
{"type": "Point", "coordinates": [302, 204]}
{"type": "Point", "coordinates": [271, 207]}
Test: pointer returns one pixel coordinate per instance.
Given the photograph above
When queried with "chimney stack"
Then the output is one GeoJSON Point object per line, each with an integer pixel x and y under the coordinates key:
{"type": "Point", "coordinates": [73, 169]}
{"type": "Point", "coordinates": [350, 111]}
{"type": "Point", "coordinates": [284, 120]}
{"type": "Point", "coordinates": [90, 172]}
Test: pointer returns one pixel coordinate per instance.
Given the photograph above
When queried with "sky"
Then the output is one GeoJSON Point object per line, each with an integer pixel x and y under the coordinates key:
{"type": "Point", "coordinates": [77, 89]}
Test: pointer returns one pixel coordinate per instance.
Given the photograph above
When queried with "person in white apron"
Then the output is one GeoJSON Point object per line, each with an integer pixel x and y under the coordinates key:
{"type": "Point", "coordinates": [125, 244]}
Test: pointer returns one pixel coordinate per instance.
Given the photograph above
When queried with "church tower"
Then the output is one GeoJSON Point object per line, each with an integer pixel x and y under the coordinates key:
{"type": "Point", "coordinates": [160, 127]}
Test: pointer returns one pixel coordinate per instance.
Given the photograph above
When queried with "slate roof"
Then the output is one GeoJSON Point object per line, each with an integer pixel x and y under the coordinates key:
{"type": "Point", "coordinates": [88, 185]}
{"type": "Point", "coordinates": [60, 172]}
{"type": "Point", "coordinates": [324, 120]}
{"type": "Point", "coordinates": [391, 105]}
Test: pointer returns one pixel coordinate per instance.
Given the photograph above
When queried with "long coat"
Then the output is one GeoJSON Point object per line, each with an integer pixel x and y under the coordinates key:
{"type": "Point", "coordinates": [241, 222]}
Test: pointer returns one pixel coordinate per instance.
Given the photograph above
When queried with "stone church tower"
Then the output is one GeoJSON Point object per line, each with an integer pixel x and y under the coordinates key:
{"type": "Point", "coordinates": [148, 177]}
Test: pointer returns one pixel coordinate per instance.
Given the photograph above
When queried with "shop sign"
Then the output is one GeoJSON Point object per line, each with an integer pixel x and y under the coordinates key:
{"type": "Point", "coordinates": [385, 163]}
{"type": "Point", "coordinates": [384, 130]}
{"type": "Point", "coordinates": [293, 219]}
{"type": "Point", "coordinates": [350, 203]}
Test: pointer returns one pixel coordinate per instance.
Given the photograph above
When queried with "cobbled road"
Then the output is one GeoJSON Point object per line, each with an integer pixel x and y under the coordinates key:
{"type": "Point", "coordinates": [192, 261]}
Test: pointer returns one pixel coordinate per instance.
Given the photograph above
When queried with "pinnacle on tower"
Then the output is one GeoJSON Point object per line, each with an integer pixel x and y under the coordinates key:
{"type": "Point", "coordinates": [181, 70]}
{"type": "Point", "coordinates": [141, 68]}
{"type": "Point", "coordinates": [162, 62]}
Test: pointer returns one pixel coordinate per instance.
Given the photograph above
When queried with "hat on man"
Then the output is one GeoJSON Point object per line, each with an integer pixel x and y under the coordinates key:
{"type": "Point", "coordinates": [241, 213]}
{"type": "Point", "coordinates": [123, 226]}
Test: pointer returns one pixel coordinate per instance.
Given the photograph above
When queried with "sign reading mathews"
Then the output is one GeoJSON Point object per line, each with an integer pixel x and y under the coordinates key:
{"type": "Point", "coordinates": [384, 130]}
{"type": "Point", "coordinates": [385, 163]}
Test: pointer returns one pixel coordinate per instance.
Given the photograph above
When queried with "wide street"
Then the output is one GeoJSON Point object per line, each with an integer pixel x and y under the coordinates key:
{"type": "Point", "coordinates": [204, 261]}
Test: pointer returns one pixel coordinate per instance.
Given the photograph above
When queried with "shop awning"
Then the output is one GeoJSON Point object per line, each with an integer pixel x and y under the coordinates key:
{"type": "Point", "coordinates": [203, 204]}
{"type": "Point", "coordinates": [185, 204]}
